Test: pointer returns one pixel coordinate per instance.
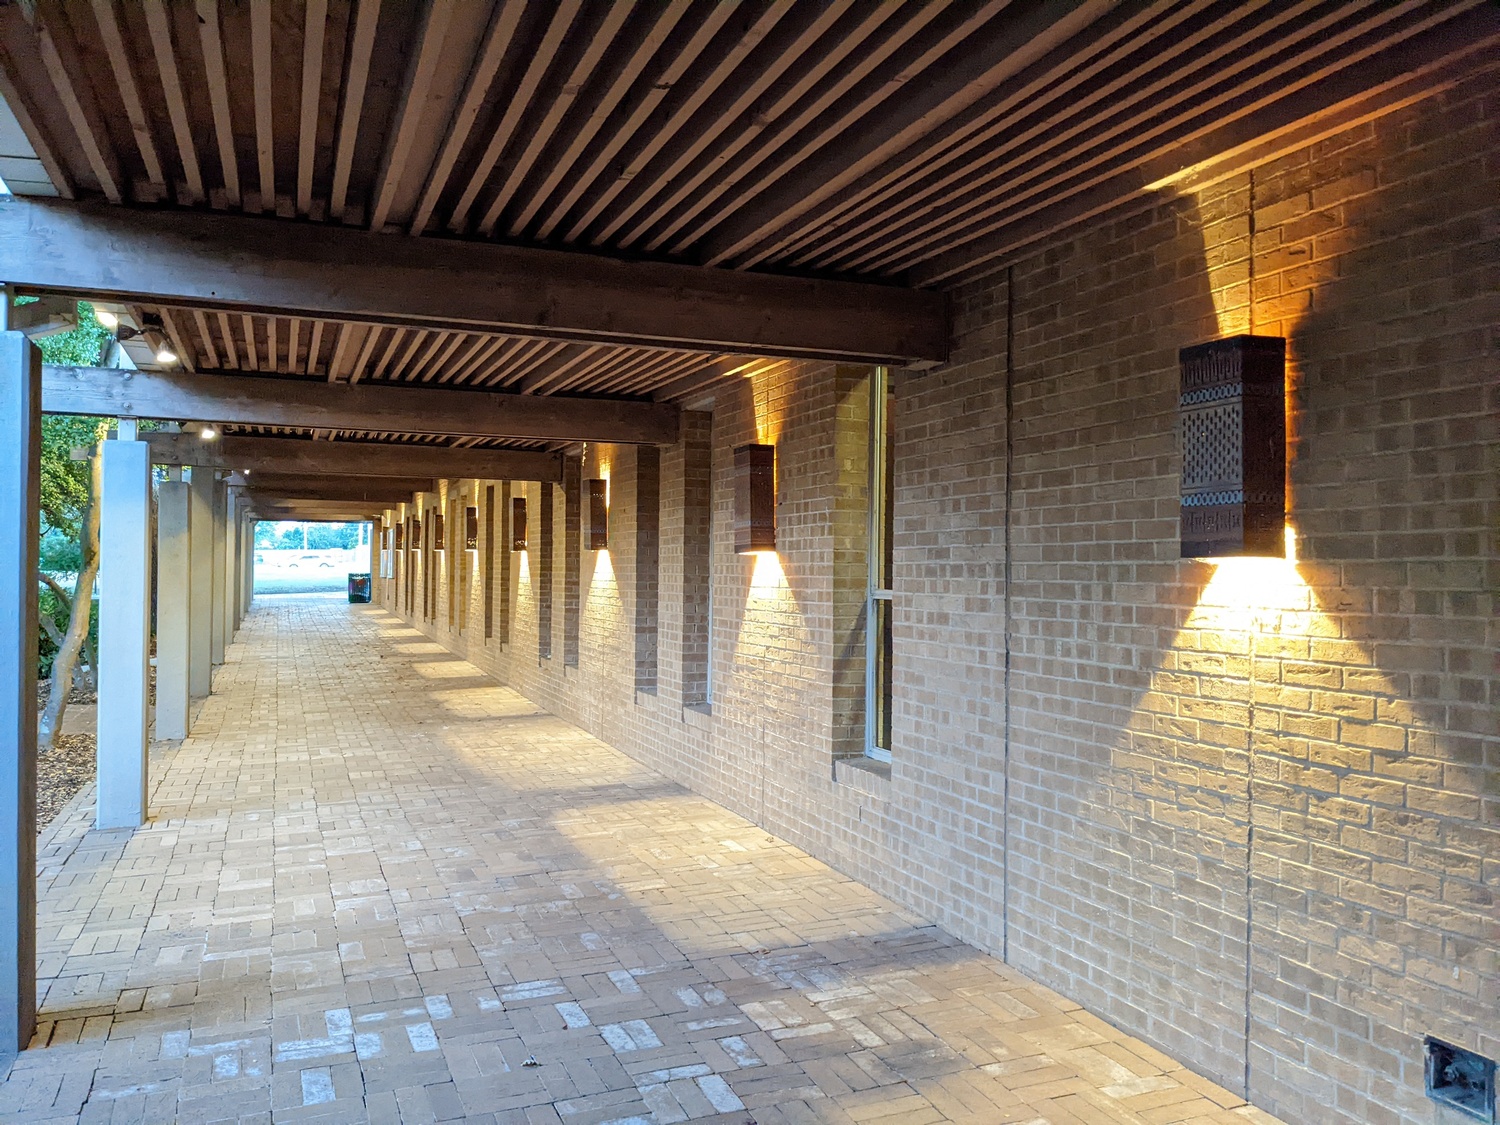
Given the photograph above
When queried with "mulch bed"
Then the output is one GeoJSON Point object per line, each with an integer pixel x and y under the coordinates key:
{"type": "Point", "coordinates": [67, 768]}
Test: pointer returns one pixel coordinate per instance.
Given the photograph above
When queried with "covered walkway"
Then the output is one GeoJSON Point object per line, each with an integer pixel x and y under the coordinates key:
{"type": "Point", "coordinates": [379, 885]}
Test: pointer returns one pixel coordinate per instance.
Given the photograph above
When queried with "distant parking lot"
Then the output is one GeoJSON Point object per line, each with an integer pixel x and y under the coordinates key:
{"type": "Point", "coordinates": [297, 571]}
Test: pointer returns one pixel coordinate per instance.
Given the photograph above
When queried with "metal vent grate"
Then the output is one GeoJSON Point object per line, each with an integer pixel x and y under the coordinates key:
{"type": "Point", "coordinates": [1462, 1079]}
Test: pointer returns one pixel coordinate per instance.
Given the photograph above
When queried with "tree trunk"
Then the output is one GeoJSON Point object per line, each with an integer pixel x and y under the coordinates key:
{"type": "Point", "coordinates": [48, 624]}
{"type": "Point", "coordinates": [83, 602]}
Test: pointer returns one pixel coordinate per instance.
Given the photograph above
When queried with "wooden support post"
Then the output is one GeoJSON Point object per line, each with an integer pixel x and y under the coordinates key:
{"type": "Point", "coordinates": [20, 474]}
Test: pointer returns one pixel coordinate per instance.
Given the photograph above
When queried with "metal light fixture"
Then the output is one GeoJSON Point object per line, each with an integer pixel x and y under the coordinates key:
{"type": "Point", "coordinates": [400, 530]}
{"type": "Point", "coordinates": [415, 539]}
{"type": "Point", "coordinates": [1233, 417]}
{"type": "Point", "coordinates": [754, 499]}
{"type": "Point", "coordinates": [518, 524]}
{"type": "Point", "coordinates": [471, 529]}
{"type": "Point", "coordinates": [439, 532]}
{"type": "Point", "coordinates": [598, 492]}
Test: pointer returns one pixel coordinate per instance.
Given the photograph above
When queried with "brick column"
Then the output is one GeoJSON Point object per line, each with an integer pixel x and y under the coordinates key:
{"type": "Point", "coordinates": [20, 450]}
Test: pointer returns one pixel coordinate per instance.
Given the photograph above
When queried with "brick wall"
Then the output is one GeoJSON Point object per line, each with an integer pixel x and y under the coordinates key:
{"type": "Point", "coordinates": [1248, 812]}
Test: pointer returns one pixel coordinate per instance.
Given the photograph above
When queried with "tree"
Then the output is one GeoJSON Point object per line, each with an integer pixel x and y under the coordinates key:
{"type": "Point", "coordinates": [69, 489]}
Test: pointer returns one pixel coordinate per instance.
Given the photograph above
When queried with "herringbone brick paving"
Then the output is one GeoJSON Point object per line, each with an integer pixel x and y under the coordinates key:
{"type": "Point", "coordinates": [379, 886]}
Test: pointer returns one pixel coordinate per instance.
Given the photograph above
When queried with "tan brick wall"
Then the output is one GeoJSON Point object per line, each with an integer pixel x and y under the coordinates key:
{"type": "Point", "coordinates": [1249, 813]}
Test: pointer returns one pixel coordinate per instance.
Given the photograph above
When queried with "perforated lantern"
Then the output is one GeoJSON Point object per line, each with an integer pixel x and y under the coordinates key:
{"type": "Point", "coordinates": [1233, 418]}
{"type": "Point", "coordinates": [518, 524]}
{"type": "Point", "coordinates": [471, 529]}
{"type": "Point", "coordinates": [598, 494]}
{"type": "Point", "coordinates": [754, 498]}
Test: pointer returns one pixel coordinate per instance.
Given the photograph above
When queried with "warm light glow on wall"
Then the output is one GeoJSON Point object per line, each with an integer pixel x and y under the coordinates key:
{"type": "Point", "coordinates": [604, 571]}
{"type": "Point", "coordinates": [1247, 586]}
{"type": "Point", "coordinates": [767, 577]}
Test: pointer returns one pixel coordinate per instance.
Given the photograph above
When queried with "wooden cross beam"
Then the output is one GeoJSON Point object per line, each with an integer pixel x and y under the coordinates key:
{"type": "Point", "coordinates": [273, 508]}
{"type": "Point", "coordinates": [220, 261]}
{"type": "Point", "coordinates": [384, 490]}
{"type": "Point", "coordinates": [314, 404]}
{"type": "Point", "coordinates": [352, 458]}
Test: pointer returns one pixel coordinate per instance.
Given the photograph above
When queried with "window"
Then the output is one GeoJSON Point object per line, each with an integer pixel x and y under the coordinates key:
{"type": "Point", "coordinates": [881, 558]}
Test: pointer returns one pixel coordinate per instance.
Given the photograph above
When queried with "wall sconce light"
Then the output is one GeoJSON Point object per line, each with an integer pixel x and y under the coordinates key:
{"type": "Point", "coordinates": [754, 498]}
{"type": "Point", "coordinates": [471, 529]}
{"type": "Point", "coordinates": [1233, 417]}
{"type": "Point", "coordinates": [416, 533]}
{"type": "Point", "coordinates": [439, 532]}
{"type": "Point", "coordinates": [518, 524]}
{"type": "Point", "coordinates": [598, 537]}
{"type": "Point", "coordinates": [400, 531]}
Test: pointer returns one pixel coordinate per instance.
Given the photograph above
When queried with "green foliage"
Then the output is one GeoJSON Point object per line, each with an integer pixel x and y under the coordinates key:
{"type": "Point", "coordinates": [64, 481]}
{"type": "Point", "coordinates": [59, 553]}
{"type": "Point", "coordinates": [78, 347]}
{"type": "Point", "coordinates": [290, 536]}
{"type": "Point", "coordinates": [329, 536]}
{"type": "Point", "coordinates": [53, 607]}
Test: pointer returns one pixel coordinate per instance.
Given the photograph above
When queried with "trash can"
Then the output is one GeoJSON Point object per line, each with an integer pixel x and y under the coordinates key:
{"type": "Point", "coordinates": [359, 587]}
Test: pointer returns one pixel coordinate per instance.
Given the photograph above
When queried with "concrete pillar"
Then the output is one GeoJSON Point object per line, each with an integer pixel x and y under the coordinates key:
{"type": "Point", "coordinates": [124, 633]}
{"type": "Point", "coordinates": [200, 572]}
{"type": "Point", "coordinates": [216, 607]}
{"type": "Point", "coordinates": [242, 537]}
{"type": "Point", "coordinates": [173, 593]}
{"type": "Point", "coordinates": [20, 449]}
{"type": "Point", "coordinates": [248, 574]}
{"type": "Point", "coordinates": [231, 554]}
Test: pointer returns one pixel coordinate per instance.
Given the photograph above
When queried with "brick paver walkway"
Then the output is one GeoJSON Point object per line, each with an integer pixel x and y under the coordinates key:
{"type": "Point", "coordinates": [379, 886]}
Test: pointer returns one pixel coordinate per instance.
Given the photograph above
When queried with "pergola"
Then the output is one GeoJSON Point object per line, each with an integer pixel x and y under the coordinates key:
{"type": "Point", "coordinates": [377, 244]}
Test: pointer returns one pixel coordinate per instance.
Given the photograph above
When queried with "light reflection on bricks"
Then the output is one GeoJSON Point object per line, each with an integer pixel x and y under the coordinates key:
{"type": "Point", "coordinates": [363, 892]}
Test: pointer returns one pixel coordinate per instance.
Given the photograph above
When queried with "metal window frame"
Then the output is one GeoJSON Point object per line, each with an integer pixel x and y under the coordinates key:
{"type": "Point", "coordinates": [875, 593]}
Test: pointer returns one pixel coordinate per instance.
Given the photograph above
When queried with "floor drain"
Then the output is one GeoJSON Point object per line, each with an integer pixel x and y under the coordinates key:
{"type": "Point", "coordinates": [1461, 1079]}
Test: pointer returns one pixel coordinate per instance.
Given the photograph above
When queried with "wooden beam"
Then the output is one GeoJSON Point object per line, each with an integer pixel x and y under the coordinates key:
{"type": "Point", "coordinates": [296, 269]}
{"type": "Point", "coordinates": [260, 66]}
{"type": "Point", "coordinates": [210, 35]}
{"type": "Point", "coordinates": [1418, 67]}
{"type": "Point", "coordinates": [381, 490]}
{"type": "Point", "coordinates": [422, 73]}
{"type": "Point", "coordinates": [313, 511]}
{"type": "Point", "coordinates": [59, 54]}
{"type": "Point", "coordinates": [366, 16]}
{"type": "Point", "coordinates": [312, 87]}
{"type": "Point", "coordinates": [130, 91]}
{"type": "Point", "coordinates": [314, 404]}
{"type": "Point", "coordinates": [349, 458]}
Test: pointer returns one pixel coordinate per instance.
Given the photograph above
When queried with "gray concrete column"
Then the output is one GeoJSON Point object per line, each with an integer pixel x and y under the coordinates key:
{"type": "Point", "coordinates": [231, 556]}
{"type": "Point", "coordinates": [20, 472]}
{"type": "Point", "coordinates": [243, 538]}
{"type": "Point", "coordinates": [124, 633]}
{"type": "Point", "coordinates": [173, 593]}
{"type": "Point", "coordinates": [247, 576]}
{"type": "Point", "coordinates": [200, 594]}
{"type": "Point", "coordinates": [216, 607]}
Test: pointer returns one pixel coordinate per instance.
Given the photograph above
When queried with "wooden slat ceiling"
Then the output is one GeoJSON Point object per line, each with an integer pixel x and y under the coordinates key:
{"type": "Point", "coordinates": [211, 340]}
{"type": "Point", "coordinates": [914, 142]}
{"type": "Point", "coordinates": [389, 438]}
{"type": "Point", "coordinates": [874, 140]}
